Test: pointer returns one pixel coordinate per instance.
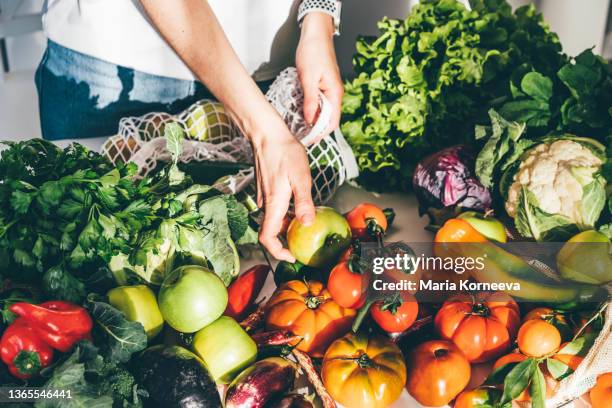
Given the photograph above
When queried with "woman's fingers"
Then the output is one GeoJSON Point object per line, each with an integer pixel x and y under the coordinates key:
{"type": "Point", "coordinates": [276, 206]}
{"type": "Point", "coordinates": [334, 92]}
{"type": "Point", "coordinates": [302, 198]}
{"type": "Point", "coordinates": [310, 87]}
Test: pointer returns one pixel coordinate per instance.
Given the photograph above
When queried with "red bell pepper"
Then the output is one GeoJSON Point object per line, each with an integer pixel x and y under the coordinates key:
{"type": "Point", "coordinates": [23, 351]}
{"type": "Point", "coordinates": [243, 292]}
{"type": "Point", "coordinates": [60, 324]}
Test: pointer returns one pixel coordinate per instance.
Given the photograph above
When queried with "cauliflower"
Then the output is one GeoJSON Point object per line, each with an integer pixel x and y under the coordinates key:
{"type": "Point", "coordinates": [555, 173]}
{"type": "Point", "coordinates": [557, 180]}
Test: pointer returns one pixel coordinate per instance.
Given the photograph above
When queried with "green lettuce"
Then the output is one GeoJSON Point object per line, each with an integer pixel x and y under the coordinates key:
{"type": "Point", "coordinates": [424, 82]}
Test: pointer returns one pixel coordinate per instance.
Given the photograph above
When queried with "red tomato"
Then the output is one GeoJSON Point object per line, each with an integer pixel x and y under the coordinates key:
{"type": "Point", "coordinates": [367, 221]}
{"type": "Point", "coordinates": [347, 288]}
{"type": "Point", "coordinates": [482, 326]}
{"type": "Point", "coordinates": [396, 315]}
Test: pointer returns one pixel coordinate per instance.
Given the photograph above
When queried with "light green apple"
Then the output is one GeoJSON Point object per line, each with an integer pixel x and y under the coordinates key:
{"type": "Point", "coordinates": [192, 297]}
{"type": "Point", "coordinates": [138, 304]}
{"type": "Point", "coordinates": [586, 258]}
{"type": "Point", "coordinates": [225, 348]}
{"type": "Point", "coordinates": [488, 226]}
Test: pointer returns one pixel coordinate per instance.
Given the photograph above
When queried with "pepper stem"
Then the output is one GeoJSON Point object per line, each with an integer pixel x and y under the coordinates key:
{"type": "Point", "coordinates": [27, 362]}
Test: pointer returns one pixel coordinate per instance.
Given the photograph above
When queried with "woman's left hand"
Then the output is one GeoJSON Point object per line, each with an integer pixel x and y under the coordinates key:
{"type": "Point", "coordinates": [317, 67]}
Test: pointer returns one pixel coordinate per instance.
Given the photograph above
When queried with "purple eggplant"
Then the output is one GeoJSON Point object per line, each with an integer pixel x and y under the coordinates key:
{"type": "Point", "coordinates": [260, 383]}
{"type": "Point", "coordinates": [445, 182]}
{"type": "Point", "coordinates": [292, 401]}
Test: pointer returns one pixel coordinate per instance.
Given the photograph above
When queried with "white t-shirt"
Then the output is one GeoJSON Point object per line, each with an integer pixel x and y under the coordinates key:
{"type": "Point", "coordinates": [264, 34]}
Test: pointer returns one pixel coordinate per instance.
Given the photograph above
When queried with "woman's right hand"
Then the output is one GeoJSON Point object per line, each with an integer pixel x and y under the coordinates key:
{"type": "Point", "coordinates": [282, 172]}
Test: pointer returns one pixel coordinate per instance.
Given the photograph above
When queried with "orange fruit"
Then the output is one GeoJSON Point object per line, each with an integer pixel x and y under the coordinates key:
{"type": "Point", "coordinates": [601, 393]}
{"type": "Point", "coordinates": [537, 338]}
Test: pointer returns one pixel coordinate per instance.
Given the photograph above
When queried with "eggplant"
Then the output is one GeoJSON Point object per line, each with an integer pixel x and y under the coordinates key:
{"type": "Point", "coordinates": [291, 401]}
{"type": "Point", "coordinates": [175, 377]}
{"type": "Point", "coordinates": [260, 383]}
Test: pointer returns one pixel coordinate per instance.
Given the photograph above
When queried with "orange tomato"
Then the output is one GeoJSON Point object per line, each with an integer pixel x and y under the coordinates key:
{"type": "Point", "coordinates": [537, 338]}
{"type": "Point", "coordinates": [437, 372]}
{"type": "Point", "coordinates": [362, 372]}
{"type": "Point", "coordinates": [458, 230]}
{"type": "Point", "coordinates": [346, 287]}
{"type": "Point", "coordinates": [482, 326]}
{"type": "Point", "coordinates": [367, 221]}
{"type": "Point", "coordinates": [477, 398]}
{"type": "Point", "coordinates": [307, 309]}
{"type": "Point", "coordinates": [601, 393]}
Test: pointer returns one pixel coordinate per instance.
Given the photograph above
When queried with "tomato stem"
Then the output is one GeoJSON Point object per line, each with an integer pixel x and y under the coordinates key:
{"type": "Point", "coordinates": [480, 309]}
{"type": "Point", "coordinates": [312, 302]}
{"type": "Point", "coordinates": [364, 361]}
{"type": "Point", "coordinates": [363, 312]}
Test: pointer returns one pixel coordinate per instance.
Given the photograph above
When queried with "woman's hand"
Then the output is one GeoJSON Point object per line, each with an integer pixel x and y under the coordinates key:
{"type": "Point", "coordinates": [193, 31]}
{"type": "Point", "coordinates": [282, 170]}
{"type": "Point", "coordinates": [317, 67]}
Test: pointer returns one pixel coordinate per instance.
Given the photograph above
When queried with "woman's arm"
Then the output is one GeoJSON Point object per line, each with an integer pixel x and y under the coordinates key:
{"type": "Point", "coordinates": [317, 66]}
{"type": "Point", "coordinates": [192, 29]}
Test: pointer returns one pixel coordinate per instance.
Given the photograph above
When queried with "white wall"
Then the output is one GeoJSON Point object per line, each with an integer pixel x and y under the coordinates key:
{"type": "Point", "coordinates": [25, 51]}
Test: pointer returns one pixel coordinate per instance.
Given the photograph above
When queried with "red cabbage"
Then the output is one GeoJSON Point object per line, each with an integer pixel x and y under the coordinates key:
{"type": "Point", "coordinates": [445, 182]}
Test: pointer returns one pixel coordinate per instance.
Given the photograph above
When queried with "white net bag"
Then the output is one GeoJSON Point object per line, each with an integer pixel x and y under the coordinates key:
{"type": "Point", "coordinates": [598, 361]}
{"type": "Point", "coordinates": [211, 136]}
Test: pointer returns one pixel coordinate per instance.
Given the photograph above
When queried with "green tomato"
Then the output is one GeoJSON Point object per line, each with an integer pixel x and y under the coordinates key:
{"type": "Point", "coordinates": [586, 258]}
{"type": "Point", "coordinates": [138, 304]}
{"type": "Point", "coordinates": [490, 227]}
{"type": "Point", "coordinates": [320, 243]}
{"type": "Point", "coordinates": [225, 348]}
{"type": "Point", "coordinates": [192, 297]}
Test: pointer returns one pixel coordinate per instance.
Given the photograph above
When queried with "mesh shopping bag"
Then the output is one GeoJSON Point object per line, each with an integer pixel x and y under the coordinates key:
{"type": "Point", "coordinates": [211, 136]}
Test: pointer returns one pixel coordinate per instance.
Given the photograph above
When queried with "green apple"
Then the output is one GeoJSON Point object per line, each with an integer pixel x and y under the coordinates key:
{"type": "Point", "coordinates": [586, 258]}
{"type": "Point", "coordinates": [192, 297]}
{"type": "Point", "coordinates": [490, 227]}
{"type": "Point", "coordinates": [138, 304]}
{"type": "Point", "coordinates": [225, 348]}
{"type": "Point", "coordinates": [320, 243]}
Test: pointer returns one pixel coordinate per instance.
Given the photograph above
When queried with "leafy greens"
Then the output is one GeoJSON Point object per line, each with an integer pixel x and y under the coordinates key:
{"type": "Point", "coordinates": [426, 81]}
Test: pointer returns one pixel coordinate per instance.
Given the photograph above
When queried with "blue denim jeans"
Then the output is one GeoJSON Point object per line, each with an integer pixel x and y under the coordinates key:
{"type": "Point", "coordinates": [81, 96]}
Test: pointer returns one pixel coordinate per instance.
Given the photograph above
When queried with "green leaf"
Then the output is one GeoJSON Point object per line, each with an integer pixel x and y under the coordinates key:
{"type": "Point", "coordinates": [111, 178]}
{"type": "Point", "coordinates": [518, 379]}
{"type": "Point", "coordinates": [537, 86]}
{"type": "Point", "coordinates": [70, 375]}
{"type": "Point", "coordinates": [579, 346]}
{"type": "Point", "coordinates": [498, 375]}
{"type": "Point", "coordinates": [120, 338]}
{"type": "Point", "coordinates": [557, 369]}
{"type": "Point", "coordinates": [219, 247]}
{"type": "Point", "coordinates": [20, 201]}
{"type": "Point", "coordinates": [60, 284]}
{"type": "Point", "coordinates": [593, 202]}
{"type": "Point", "coordinates": [173, 133]}
{"type": "Point", "coordinates": [537, 389]}
{"type": "Point", "coordinates": [502, 139]}
{"type": "Point", "coordinates": [531, 221]}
